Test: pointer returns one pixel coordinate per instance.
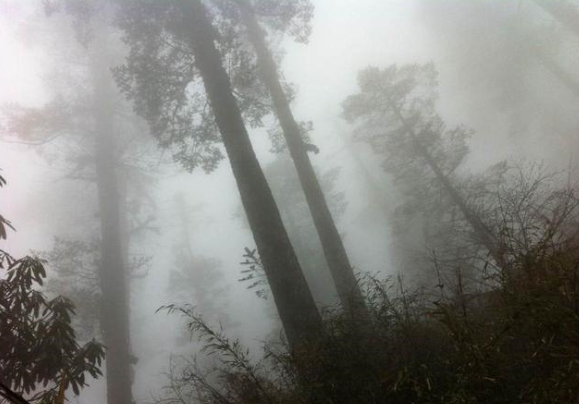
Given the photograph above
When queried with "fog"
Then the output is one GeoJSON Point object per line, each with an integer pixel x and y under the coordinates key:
{"type": "Point", "coordinates": [126, 173]}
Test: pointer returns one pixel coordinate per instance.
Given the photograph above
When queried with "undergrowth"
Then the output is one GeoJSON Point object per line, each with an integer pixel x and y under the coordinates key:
{"type": "Point", "coordinates": [509, 336]}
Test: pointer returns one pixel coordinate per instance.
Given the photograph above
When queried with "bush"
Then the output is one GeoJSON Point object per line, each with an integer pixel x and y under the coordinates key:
{"type": "Point", "coordinates": [510, 335]}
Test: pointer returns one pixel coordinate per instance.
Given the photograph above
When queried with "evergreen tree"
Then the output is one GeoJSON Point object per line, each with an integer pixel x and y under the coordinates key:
{"type": "Point", "coordinates": [395, 112]}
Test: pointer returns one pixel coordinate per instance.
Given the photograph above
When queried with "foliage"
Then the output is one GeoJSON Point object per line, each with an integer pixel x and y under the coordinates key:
{"type": "Point", "coordinates": [199, 279]}
{"type": "Point", "coordinates": [393, 102]}
{"type": "Point", "coordinates": [513, 339]}
{"type": "Point", "coordinates": [161, 78]}
{"type": "Point", "coordinates": [395, 112]}
{"type": "Point", "coordinates": [4, 223]}
{"type": "Point", "coordinates": [39, 351]}
{"type": "Point", "coordinates": [278, 142]}
{"type": "Point", "coordinates": [254, 273]}
{"type": "Point", "coordinates": [75, 264]}
{"type": "Point", "coordinates": [243, 379]}
{"type": "Point", "coordinates": [75, 267]}
{"type": "Point", "coordinates": [293, 17]}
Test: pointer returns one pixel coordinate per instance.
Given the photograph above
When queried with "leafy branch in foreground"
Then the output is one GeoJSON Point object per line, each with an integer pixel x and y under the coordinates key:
{"type": "Point", "coordinates": [40, 356]}
{"type": "Point", "coordinates": [232, 362]}
{"type": "Point", "coordinates": [254, 273]}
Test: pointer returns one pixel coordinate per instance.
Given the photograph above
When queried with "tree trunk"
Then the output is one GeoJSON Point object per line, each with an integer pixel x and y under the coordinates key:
{"type": "Point", "coordinates": [333, 247]}
{"type": "Point", "coordinates": [115, 300]}
{"type": "Point", "coordinates": [295, 304]}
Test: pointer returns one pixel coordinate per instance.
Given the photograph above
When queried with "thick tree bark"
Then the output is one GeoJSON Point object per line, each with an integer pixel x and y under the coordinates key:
{"type": "Point", "coordinates": [334, 251]}
{"type": "Point", "coordinates": [480, 229]}
{"type": "Point", "coordinates": [295, 304]}
{"type": "Point", "coordinates": [115, 300]}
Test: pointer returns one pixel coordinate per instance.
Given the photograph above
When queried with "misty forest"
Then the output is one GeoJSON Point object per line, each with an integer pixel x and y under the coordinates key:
{"type": "Point", "coordinates": [289, 201]}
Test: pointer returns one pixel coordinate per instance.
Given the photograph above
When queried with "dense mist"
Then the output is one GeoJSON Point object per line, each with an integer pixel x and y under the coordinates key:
{"type": "Point", "coordinates": [289, 201]}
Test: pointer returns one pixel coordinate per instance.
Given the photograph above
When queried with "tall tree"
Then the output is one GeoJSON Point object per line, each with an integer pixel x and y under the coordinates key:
{"type": "Point", "coordinates": [395, 113]}
{"type": "Point", "coordinates": [90, 117]}
{"type": "Point", "coordinates": [113, 273]}
{"type": "Point", "coordinates": [332, 244]}
{"type": "Point", "coordinates": [293, 207]}
{"type": "Point", "coordinates": [190, 27]}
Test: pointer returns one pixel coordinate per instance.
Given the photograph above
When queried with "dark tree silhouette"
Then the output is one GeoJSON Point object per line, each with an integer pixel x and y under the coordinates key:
{"type": "Point", "coordinates": [188, 26]}
{"type": "Point", "coordinates": [333, 247]}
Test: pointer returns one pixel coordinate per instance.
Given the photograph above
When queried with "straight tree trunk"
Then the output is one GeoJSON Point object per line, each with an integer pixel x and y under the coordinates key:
{"type": "Point", "coordinates": [115, 300]}
{"type": "Point", "coordinates": [333, 247]}
{"type": "Point", "coordinates": [295, 304]}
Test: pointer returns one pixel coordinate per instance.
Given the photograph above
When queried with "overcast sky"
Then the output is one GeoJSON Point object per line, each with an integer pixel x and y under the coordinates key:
{"type": "Point", "coordinates": [348, 35]}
